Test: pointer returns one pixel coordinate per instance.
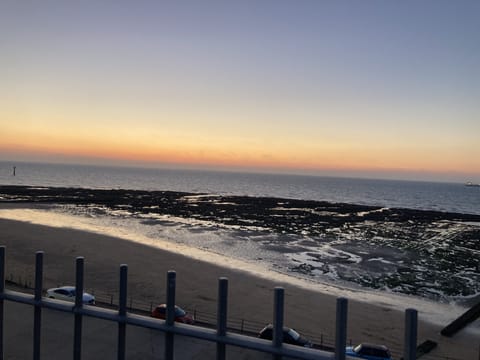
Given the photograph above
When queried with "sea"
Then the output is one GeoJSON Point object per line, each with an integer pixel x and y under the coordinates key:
{"type": "Point", "coordinates": [440, 196]}
{"type": "Point", "coordinates": [426, 261]}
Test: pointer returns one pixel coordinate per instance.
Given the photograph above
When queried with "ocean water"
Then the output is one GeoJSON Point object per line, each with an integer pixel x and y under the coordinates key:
{"type": "Point", "coordinates": [423, 260]}
{"type": "Point", "coordinates": [451, 197]}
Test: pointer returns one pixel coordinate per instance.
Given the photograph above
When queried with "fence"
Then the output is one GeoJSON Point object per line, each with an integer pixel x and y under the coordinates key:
{"type": "Point", "coordinates": [141, 306]}
{"type": "Point", "coordinates": [220, 335]}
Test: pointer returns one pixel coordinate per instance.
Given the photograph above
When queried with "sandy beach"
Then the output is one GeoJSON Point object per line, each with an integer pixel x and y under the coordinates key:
{"type": "Point", "coordinates": [250, 297]}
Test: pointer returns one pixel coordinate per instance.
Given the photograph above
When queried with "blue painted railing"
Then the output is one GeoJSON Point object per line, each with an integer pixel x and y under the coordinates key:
{"type": "Point", "coordinates": [220, 335]}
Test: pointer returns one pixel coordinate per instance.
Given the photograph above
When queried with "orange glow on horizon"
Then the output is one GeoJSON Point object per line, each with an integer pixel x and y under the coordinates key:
{"type": "Point", "coordinates": [201, 148]}
{"type": "Point", "coordinates": [236, 158]}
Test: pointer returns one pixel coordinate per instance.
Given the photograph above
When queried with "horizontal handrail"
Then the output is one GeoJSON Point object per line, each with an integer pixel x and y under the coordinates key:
{"type": "Point", "coordinates": [218, 334]}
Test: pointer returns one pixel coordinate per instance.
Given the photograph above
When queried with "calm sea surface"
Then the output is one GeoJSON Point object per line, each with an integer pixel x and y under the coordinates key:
{"type": "Point", "coordinates": [448, 197]}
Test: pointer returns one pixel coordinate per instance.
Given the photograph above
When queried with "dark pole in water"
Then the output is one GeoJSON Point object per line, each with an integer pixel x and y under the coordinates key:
{"type": "Point", "coordinates": [14, 170]}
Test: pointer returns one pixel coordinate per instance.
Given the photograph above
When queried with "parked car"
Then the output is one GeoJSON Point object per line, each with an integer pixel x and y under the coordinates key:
{"type": "Point", "coordinates": [67, 293]}
{"type": "Point", "coordinates": [181, 315]}
{"type": "Point", "coordinates": [369, 351]}
{"type": "Point", "coordinates": [290, 336]}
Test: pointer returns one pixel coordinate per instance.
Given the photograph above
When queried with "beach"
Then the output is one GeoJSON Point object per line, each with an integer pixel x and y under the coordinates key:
{"type": "Point", "coordinates": [250, 297]}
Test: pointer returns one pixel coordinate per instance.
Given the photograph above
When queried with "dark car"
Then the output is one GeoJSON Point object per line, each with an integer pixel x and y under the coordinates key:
{"type": "Point", "coordinates": [290, 336]}
{"type": "Point", "coordinates": [369, 351]}
{"type": "Point", "coordinates": [180, 315]}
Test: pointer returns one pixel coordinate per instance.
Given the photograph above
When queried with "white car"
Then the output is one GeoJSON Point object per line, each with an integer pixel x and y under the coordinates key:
{"type": "Point", "coordinates": [67, 293]}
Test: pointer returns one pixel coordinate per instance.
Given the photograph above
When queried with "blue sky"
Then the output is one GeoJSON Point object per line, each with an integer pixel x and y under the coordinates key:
{"type": "Point", "coordinates": [359, 87]}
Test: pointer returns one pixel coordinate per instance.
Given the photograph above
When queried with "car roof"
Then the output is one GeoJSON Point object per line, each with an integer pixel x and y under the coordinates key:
{"type": "Point", "coordinates": [68, 288]}
{"type": "Point", "coordinates": [285, 328]}
{"type": "Point", "coordinates": [165, 305]}
{"type": "Point", "coordinates": [64, 288]}
{"type": "Point", "coordinates": [374, 346]}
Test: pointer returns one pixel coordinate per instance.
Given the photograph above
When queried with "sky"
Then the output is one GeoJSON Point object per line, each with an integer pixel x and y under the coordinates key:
{"type": "Point", "coordinates": [387, 89]}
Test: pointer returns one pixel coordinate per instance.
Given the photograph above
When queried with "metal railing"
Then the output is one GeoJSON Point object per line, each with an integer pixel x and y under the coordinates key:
{"type": "Point", "coordinates": [221, 336]}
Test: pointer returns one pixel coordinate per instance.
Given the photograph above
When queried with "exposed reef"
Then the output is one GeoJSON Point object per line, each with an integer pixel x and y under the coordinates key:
{"type": "Point", "coordinates": [428, 253]}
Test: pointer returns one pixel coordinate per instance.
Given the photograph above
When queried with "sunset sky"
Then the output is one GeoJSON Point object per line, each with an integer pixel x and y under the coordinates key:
{"type": "Point", "coordinates": [355, 88]}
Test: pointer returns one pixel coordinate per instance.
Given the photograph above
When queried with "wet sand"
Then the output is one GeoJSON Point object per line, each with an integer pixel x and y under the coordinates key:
{"type": "Point", "coordinates": [250, 297]}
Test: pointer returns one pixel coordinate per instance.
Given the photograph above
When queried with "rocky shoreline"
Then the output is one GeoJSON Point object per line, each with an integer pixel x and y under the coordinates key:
{"type": "Point", "coordinates": [419, 252]}
{"type": "Point", "coordinates": [280, 215]}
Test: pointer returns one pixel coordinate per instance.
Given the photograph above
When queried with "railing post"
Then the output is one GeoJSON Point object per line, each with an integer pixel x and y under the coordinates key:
{"type": "Point", "coordinates": [77, 340]}
{"type": "Point", "coordinates": [222, 315]}
{"type": "Point", "coordinates": [278, 304]}
{"type": "Point", "coordinates": [37, 317]}
{"type": "Point", "coordinates": [410, 345]}
{"type": "Point", "coordinates": [341, 329]}
{"type": "Point", "coordinates": [2, 290]}
{"type": "Point", "coordinates": [122, 311]}
{"type": "Point", "coordinates": [170, 315]}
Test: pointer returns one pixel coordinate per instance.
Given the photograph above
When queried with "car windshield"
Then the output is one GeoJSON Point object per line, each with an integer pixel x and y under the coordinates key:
{"type": "Point", "coordinates": [367, 350]}
{"type": "Point", "coordinates": [294, 334]}
{"type": "Point", "coordinates": [179, 312]}
{"type": "Point", "coordinates": [357, 348]}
